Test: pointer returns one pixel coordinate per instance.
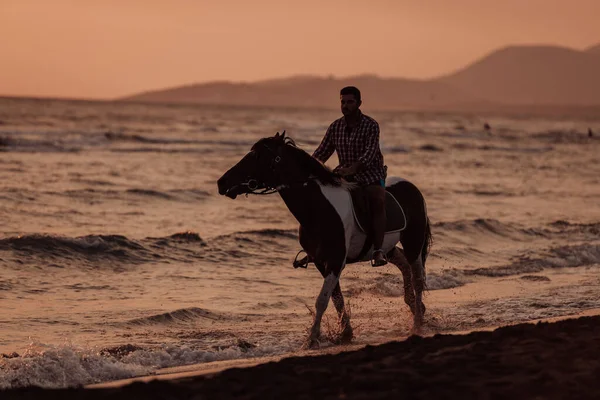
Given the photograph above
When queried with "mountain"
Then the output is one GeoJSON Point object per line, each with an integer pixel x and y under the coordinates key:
{"type": "Point", "coordinates": [528, 75]}
{"type": "Point", "coordinates": [317, 92]}
{"type": "Point", "coordinates": [593, 49]}
{"type": "Point", "coordinates": [516, 76]}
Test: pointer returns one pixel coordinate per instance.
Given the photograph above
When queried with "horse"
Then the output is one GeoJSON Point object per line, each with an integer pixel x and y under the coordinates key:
{"type": "Point", "coordinates": [321, 201]}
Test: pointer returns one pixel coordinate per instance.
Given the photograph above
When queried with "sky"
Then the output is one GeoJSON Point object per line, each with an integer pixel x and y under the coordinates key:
{"type": "Point", "coordinates": [104, 49]}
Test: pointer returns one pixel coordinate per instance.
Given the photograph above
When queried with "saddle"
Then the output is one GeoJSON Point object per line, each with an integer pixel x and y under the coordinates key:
{"type": "Point", "coordinates": [395, 219]}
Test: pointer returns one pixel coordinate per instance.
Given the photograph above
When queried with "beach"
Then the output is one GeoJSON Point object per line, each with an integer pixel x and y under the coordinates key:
{"type": "Point", "coordinates": [550, 360]}
{"type": "Point", "coordinates": [119, 260]}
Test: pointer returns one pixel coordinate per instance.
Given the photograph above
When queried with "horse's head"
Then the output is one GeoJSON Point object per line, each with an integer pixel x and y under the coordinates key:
{"type": "Point", "coordinates": [267, 166]}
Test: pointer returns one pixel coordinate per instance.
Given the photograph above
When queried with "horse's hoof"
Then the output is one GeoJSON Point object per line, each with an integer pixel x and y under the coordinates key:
{"type": "Point", "coordinates": [346, 336]}
{"type": "Point", "coordinates": [312, 344]}
{"type": "Point", "coordinates": [417, 328]}
{"type": "Point", "coordinates": [416, 331]}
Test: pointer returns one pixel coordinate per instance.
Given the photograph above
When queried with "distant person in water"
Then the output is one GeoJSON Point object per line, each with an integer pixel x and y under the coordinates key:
{"type": "Point", "coordinates": [355, 139]}
{"type": "Point", "coordinates": [487, 128]}
{"type": "Point", "coordinates": [590, 133]}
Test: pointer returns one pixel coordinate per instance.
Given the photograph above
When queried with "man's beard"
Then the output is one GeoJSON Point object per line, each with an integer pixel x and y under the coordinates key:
{"type": "Point", "coordinates": [348, 113]}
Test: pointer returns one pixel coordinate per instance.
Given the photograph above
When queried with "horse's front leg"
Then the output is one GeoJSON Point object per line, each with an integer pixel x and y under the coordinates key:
{"type": "Point", "coordinates": [338, 301]}
{"type": "Point", "coordinates": [331, 281]}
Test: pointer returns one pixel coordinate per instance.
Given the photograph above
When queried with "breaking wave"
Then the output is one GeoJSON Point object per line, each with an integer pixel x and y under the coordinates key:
{"type": "Point", "coordinates": [101, 251]}
{"type": "Point", "coordinates": [73, 366]}
{"type": "Point", "coordinates": [560, 257]}
{"type": "Point", "coordinates": [183, 315]}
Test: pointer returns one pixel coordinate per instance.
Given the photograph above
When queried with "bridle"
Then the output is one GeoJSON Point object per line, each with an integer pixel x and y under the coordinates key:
{"type": "Point", "coordinates": [254, 184]}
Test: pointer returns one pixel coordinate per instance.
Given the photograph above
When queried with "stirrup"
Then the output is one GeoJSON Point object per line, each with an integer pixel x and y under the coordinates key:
{"type": "Point", "coordinates": [303, 262]}
{"type": "Point", "coordinates": [378, 263]}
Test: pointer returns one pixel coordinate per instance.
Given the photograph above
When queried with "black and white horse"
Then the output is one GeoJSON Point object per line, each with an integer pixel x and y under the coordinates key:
{"type": "Point", "coordinates": [330, 230]}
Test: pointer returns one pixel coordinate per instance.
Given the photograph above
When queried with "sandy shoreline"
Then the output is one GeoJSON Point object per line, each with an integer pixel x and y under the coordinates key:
{"type": "Point", "coordinates": [212, 368]}
{"type": "Point", "coordinates": [555, 359]}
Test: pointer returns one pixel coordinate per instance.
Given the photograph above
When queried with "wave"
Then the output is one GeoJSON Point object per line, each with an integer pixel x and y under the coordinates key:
{"type": "Point", "coordinates": [72, 366]}
{"type": "Point", "coordinates": [150, 193]}
{"type": "Point", "coordinates": [118, 252]}
{"type": "Point", "coordinates": [445, 280]}
{"type": "Point", "coordinates": [430, 147]}
{"type": "Point", "coordinates": [53, 249]}
{"type": "Point", "coordinates": [396, 149]}
{"type": "Point", "coordinates": [485, 192]}
{"type": "Point", "coordinates": [535, 278]}
{"type": "Point", "coordinates": [5, 285]}
{"type": "Point", "coordinates": [76, 141]}
{"type": "Point", "coordinates": [22, 145]}
{"type": "Point", "coordinates": [565, 137]}
{"type": "Point", "coordinates": [78, 287]}
{"type": "Point", "coordinates": [572, 230]}
{"type": "Point", "coordinates": [559, 257]}
{"type": "Point", "coordinates": [186, 195]}
{"type": "Point", "coordinates": [163, 150]}
{"type": "Point", "coordinates": [486, 227]}
{"type": "Point", "coordinates": [122, 137]}
{"type": "Point", "coordinates": [392, 285]}
{"type": "Point", "coordinates": [66, 366]}
{"type": "Point", "coordinates": [260, 234]}
{"type": "Point", "coordinates": [186, 237]}
{"type": "Point", "coordinates": [482, 227]}
{"type": "Point", "coordinates": [102, 251]}
{"type": "Point", "coordinates": [178, 316]}
{"type": "Point", "coordinates": [514, 149]}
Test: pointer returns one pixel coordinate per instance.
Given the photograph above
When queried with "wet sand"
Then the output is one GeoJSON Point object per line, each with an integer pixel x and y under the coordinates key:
{"type": "Point", "coordinates": [544, 360]}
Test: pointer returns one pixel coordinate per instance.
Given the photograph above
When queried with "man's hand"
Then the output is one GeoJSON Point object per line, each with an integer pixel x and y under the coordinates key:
{"type": "Point", "coordinates": [343, 171]}
{"type": "Point", "coordinates": [349, 171]}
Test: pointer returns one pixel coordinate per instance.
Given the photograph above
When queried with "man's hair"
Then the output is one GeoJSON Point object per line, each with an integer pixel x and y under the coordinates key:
{"type": "Point", "coordinates": [351, 90]}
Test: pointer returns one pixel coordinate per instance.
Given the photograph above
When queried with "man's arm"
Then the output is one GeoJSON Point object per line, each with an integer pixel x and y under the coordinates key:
{"type": "Point", "coordinates": [372, 145]}
{"type": "Point", "coordinates": [326, 148]}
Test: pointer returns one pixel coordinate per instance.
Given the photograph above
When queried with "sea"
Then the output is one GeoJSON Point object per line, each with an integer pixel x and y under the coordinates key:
{"type": "Point", "coordinates": [118, 257]}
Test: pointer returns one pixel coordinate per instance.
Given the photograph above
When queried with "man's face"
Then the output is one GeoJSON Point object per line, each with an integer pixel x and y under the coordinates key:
{"type": "Point", "coordinates": [349, 104]}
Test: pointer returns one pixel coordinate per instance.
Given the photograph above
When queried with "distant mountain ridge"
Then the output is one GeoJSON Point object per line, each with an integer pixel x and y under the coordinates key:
{"type": "Point", "coordinates": [593, 49]}
{"type": "Point", "coordinates": [527, 75]}
{"type": "Point", "coordinates": [512, 76]}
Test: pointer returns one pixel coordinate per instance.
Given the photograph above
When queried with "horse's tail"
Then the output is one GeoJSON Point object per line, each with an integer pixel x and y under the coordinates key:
{"type": "Point", "coordinates": [428, 241]}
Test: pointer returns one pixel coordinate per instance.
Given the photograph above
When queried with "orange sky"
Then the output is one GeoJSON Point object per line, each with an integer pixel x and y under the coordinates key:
{"type": "Point", "coordinates": [111, 48]}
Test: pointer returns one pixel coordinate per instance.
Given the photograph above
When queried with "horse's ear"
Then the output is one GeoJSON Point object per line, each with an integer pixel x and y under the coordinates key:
{"type": "Point", "coordinates": [283, 134]}
{"type": "Point", "coordinates": [276, 135]}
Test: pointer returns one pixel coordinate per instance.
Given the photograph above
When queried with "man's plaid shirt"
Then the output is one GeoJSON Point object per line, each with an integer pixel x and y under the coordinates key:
{"type": "Point", "coordinates": [360, 144]}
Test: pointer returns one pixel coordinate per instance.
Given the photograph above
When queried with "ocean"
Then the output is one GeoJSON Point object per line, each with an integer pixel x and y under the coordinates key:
{"type": "Point", "coordinates": [118, 257]}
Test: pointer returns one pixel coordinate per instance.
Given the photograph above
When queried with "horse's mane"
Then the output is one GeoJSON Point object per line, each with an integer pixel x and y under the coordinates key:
{"type": "Point", "coordinates": [313, 166]}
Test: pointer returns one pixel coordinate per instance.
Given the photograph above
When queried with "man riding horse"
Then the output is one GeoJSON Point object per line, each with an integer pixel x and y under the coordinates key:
{"type": "Point", "coordinates": [330, 231]}
{"type": "Point", "coordinates": [355, 139]}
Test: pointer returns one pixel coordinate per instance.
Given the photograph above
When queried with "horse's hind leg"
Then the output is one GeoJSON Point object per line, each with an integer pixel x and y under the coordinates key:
{"type": "Point", "coordinates": [418, 280]}
{"type": "Point", "coordinates": [344, 319]}
{"type": "Point", "coordinates": [396, 257]}
{"type": "Point", "coordinates": [413, 244]}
